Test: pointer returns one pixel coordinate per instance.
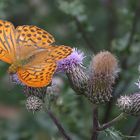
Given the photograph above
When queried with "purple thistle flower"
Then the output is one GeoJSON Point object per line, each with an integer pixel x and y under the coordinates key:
{"type": "Point", "coordinates": [14, 78]}
{"type": "Point", "coordinates": [75, 58]}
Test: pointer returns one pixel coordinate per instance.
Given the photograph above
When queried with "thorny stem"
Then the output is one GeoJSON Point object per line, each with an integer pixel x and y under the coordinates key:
{"type": "Point", "coordinates": [95, 123]}
{"type": "Point", "coordinates": [109, 124]}
{"type": "Point", "coordinates": [58, 125]}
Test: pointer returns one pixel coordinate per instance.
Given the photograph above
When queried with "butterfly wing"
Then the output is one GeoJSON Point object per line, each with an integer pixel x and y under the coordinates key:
{"type": "Point", "coordinates": [60, 52]}
{"type": "Point", "coordinates": [24, 52]}
{"type": "Point", "coordinates": [7, 42]}
{"type": "Point", "coordinates": [41, 66]}
{"type": "Point", "coordinates": [33, 35]}
{"type": "Point", "coordinates": [39, 75]}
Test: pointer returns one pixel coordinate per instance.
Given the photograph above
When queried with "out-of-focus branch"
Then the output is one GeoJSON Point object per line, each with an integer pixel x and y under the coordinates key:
{"type": "Point", "coordinates": [95, 124]}
{"type": "Point", "coordinates": [112, 21]}
{"type": "Point", "coordinates": [58, 124]}
{"type": "Point", "coordinates": [131, 36]}
{"type": "Point", "coordinates": [134, 25]}
{"type": "Point", "coordinates": [83, 33]}
{"type": "Point", "coordinates": [108, 111]}
{"type": "Point", "coordinates": [136, 127]}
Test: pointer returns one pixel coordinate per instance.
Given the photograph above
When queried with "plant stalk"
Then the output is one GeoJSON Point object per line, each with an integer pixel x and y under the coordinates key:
{"type": "Point", "coordinates": [58, 125]}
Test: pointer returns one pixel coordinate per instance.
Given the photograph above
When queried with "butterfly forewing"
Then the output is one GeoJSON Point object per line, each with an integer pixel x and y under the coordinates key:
{"type": "Point", "coordinates": [60, 52]}
{"type": "Point", "coordinates": [42, 55]}
{"type": "Point", "coordinates": [24, 52]}
{"type": "Point", "coordinates": [32, 35]}
{"type": "Point", "coordinates": [7, 41]}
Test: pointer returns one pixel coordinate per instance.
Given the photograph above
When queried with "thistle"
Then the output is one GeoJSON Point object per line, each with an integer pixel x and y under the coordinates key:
{"type": "Point", "coordinates": [34, 103]}
{"type": "Point", "coordinates": [35, 98]}
{"type": "Point", "coordinates": [130, 104]}
{"type": "Point", "coordinates": [103, 71]}
{"type": "Point", "coordinates": [38, 92]}
{"type": "Point", "coordinates": [96, 85]}
{"type": "Point", "coordinates": [75, 71]}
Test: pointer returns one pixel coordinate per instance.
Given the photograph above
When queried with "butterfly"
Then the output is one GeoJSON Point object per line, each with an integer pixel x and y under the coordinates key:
{"type": "Point", "coordinates": [29, 51]}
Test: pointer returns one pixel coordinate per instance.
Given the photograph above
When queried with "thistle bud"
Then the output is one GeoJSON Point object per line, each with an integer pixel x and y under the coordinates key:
{"type": "Point", "coordinates": [130, 104]}
{"type": "Point", "coordinates": [39, 97]}
{"type": "Point", "coordinates": [103, 71]}
{"type": "Point", "coordinates": [75, 71]}
{"type": "Point", "coordinates": [34, 103]}
{"type": "Point", "coordinates": [35, 98]}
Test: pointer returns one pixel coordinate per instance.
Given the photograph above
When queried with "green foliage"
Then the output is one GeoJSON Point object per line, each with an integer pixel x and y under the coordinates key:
{"type": "Point", "coordinates": [106, 27]}
{"type": "Point", "coordinates": [113, 134]}
{"type": "Point", "coordinates": [74, 8]}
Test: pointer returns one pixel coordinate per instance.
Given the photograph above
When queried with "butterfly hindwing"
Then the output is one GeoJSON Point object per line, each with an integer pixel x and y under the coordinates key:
{"type": "Point", "coordinates": [38, 75]}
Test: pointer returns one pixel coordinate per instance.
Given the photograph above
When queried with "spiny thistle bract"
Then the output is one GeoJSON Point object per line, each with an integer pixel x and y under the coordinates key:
{"type": "Point", "coordinates": [103, 71]}
{"type": "Point", "coordinates": [35, 98]}
{"type": "Point", "coordinates": [130, 104]}
{"type": "Point", "coordinates": [38, 92]}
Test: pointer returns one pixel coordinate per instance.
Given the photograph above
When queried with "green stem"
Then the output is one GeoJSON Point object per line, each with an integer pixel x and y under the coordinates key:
{"type": "Point", "coordinates": [58, 125]}
{"type": "Point", "coordinates": [95, 124]}
{"type": "Point", "coordinates": [109, 124]}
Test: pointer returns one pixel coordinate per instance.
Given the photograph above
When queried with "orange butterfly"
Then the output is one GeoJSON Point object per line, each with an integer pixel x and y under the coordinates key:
{"type": "Point", "coordinates": [29, 51]}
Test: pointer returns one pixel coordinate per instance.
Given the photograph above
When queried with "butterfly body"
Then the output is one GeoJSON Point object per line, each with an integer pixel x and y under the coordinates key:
{"type": "Point", "coordinates": [13, 68]}
{"type": "Point", "coordinates": [30, 54]}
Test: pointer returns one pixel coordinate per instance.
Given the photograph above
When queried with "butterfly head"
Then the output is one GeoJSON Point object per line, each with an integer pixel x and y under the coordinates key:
{"type": "Point", "coordinates": [14, 67]}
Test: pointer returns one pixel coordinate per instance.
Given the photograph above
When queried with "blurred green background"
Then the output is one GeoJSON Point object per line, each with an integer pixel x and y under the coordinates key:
{"type": "Point", "coordinates": [90, 26]}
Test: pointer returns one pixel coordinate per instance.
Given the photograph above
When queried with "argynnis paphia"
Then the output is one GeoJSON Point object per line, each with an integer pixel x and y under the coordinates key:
{"type": "Point", "coordinates": [29, 51]}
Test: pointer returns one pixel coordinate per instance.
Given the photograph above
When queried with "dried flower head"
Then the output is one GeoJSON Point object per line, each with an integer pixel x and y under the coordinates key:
{"type": "Point", "coordinates": [34, 103]}
{"type": "Point", "coordinates": [40, 96]}
{"type": "Point", "coordinates": [130, 104]}
{"type": "Point", "coordinates": [104, 63]}
{"type": "Point", "coordinates": [103, 71]}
